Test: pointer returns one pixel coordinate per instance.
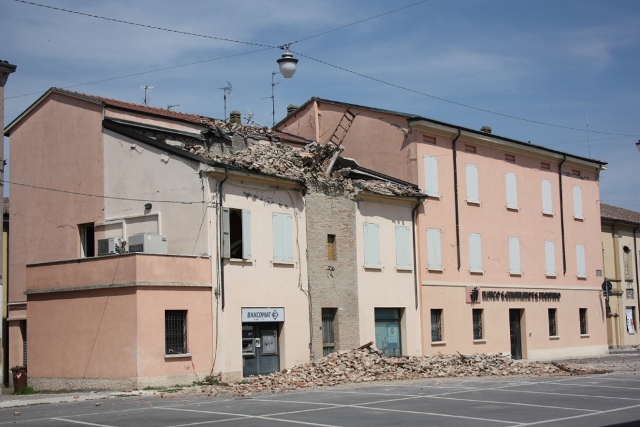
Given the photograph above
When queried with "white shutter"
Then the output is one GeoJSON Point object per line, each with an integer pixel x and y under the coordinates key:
{"type": "Point", "coordinates": [475, 252]}
{"type": "Point", "coordinates": [550, 258]}
{"type": "Point", "coordinates": [577, 202]}
{"type": "Point", "coordinates": [226, 230]}
{"type": "Point", "coordinates": [547, 206]}
{"type": "Point", "coordinates": [278, 253]}
{"type": "Point", "coordinates": [434, 254]}
{"type": "Point", "coordinates": [431, 176]}
{"type": "Point", "coordinates": [514, 255]}
{"type": "Point", "coordinates": [282, 238]}
{"type": "Point", "coordinates": [371, 245]}
{"type": "Point", "coordinates": [472, 184]}
{"type": "Point", "coordinates": [512, 191]}
{"type": "Point", "coordinates": [403, 247]}
{"type": "Point", "coordinates": [580, 262]}
{"type": "Point", "coordinates": [246, 234]}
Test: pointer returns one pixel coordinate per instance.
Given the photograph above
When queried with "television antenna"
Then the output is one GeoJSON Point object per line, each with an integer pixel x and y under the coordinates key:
{"type": "Point", "coordinates": [146, 89]}
{"type": "Point", "coordinates": [169, 107]}
{"type": "Point", "coordinates": [273, 99]}
{"type": "Point", "coordinates": [249, 118]}
{"type": "Point", "coordinates": [227, 90]}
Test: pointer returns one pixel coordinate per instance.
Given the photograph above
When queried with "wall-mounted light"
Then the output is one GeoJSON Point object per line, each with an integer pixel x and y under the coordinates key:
{"type": "Point", "coordinates": [287, 63]}
{"type": "Point", "coordinates": [148, 206]}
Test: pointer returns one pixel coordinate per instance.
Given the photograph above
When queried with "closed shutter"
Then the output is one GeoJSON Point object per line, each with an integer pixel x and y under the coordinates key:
{"type": "Point", "coordinates": [547, 206]}
{"type": "Point", "coordinates": [472, 184]}
{"type": "Point", "coordinates": [434, 254]}
{"type": "Point", "coordinates": [226, 234]}
{"type": "Point", "coordinates": [371, 245]}
{"type": "Point", "coordinates": [577, 202]}
{"type": "Point", "coordinates": [431, 176]}
{"type": "Point", "coordinates": [514, 255]}
{"type": "Point", "coordinates": [282, 238]}
{"type": "Point", "coordinates": [580, 261]}
{"type": "Point", "coordinates": [512, 191]}
{"type": "Point", "coordinates": [246, 234]}
{"type": "Point", "coordinates": [475, 252]}
{"type": "Point", "coordinates": [550, 258]}
{"type": "Point", "coordinates": [403, 247]}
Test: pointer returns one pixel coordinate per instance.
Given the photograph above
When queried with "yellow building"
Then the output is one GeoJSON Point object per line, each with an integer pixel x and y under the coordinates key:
{"type": "Point", "coordinates": [620, 242]}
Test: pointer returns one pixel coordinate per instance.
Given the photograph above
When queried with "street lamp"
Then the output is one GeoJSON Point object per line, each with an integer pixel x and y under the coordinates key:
{"type": "Point", "coordinates": [638, 145]}
{"type": "Point", "coordinates": [287, 63]}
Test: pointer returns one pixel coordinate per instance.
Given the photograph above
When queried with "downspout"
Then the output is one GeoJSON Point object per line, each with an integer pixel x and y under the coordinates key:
{"type": "Point", "coordinates": [455, 189]}
{"type": "Point", "coordinates": [414, 217]}
{"type": "Point", "coordinates": [564, 250]}
{"type": "Point", "coordinates": [635, 260]}
{"type": "Point", "coordinates": [226, 176]}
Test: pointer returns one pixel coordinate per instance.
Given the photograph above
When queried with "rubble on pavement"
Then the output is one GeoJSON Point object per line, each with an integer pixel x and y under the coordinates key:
{"type": "Point", "coordinates": [367, 364]}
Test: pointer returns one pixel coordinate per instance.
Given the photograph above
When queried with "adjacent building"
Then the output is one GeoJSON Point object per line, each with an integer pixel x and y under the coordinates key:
{"type": "Point", "coordinates": [508, 238]}
{"type": "Point", "coordinates": [620, 243]}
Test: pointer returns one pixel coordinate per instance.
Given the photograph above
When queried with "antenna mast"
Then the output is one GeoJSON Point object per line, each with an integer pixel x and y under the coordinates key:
{"type": "Point", "coordinates": [146, 88]}
{"type": "Point", "coordinates": [227, 90]}
{"type": "Point", "coordinates": [273, 99]}
{"type": "Point", "coordinates": [586, 107]}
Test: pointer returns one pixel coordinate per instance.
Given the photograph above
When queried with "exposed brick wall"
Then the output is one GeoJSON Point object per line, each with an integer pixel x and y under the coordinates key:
{"type": "Point", "coordinates": [333, 284]}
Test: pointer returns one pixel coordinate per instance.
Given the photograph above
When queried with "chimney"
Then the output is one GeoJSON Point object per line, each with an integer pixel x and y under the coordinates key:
{"type": "Point", "coordinates": [485, 129]}
{"type": "Point", "coordinates": [291, 108]}
{"type": "Point", "coordinates": [234, 117]}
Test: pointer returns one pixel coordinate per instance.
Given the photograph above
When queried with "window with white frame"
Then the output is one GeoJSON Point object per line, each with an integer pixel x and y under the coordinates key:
{"type": "Point", "coordinates": [512, 190]}
{"type": "Point", "coordinates": [473, 195]}
{"type": "Point", "coordinates": [514, 255]}
{"type": "Point", "coordinates": [236, 233]}
{"type": "Point", "coordinates": [434, 254]}
{"type": "Point", "coordinates": [431, 176]}
{"type": "Point", "coordinates": [475, 253]}
{"type": "Point", "coordinates": [577, 202]}
{"type": "Point", "coordinates": [371, 245]}
{"type": "Point", "coordinates": [403, 248]}
{"type": "Point", "coordinates": [547, 204]}
{"type": "Point", "coordinates": [282, 237]}
{"type": "Point", "coordinates": [550, 258]}
{"type": "Point", "coordinates": [580, 262]}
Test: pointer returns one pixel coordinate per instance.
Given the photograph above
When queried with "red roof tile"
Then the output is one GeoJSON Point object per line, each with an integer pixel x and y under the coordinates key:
{"type": "Point", "coordinates": [620, 214]}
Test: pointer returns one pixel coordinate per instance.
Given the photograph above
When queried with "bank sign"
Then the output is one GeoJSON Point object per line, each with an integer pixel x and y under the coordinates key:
{"type": "Point", "coordinates": [263, 314]}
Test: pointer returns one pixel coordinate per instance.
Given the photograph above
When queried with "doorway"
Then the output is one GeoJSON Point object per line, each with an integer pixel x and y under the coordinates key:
{"type": "Point", "coordinates": [260, 349]}
{"type": "Point", "coordinates": [515, 331]}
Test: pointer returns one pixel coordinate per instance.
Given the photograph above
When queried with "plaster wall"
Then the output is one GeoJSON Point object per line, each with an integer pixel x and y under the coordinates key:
{"type": "Point", "coordinates": [388, 286]}
{"type": "Point", "coordinates": [147, 119]}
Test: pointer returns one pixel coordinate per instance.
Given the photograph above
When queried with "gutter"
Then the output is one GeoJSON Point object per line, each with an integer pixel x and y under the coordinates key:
{"type": "Point", "coordinates": [635, 259]}
{"type": "Point", "coordinates": [564, 251]}
{"type": "Point", "coordinates": [415, 249]}
{"type": "Point", "coordinates": [226, 171]}
{"type": "Point", "coordinates": [455, 189]}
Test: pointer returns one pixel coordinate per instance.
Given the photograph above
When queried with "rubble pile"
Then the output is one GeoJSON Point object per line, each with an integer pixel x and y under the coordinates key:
{"type": "Point", "coordinates": [366, 364]}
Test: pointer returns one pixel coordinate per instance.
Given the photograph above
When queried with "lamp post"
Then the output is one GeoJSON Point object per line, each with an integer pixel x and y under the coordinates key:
{"type": "Point", "coordinates": [638, 145]}
{"type": "Point", "coordinates": [287, 63]}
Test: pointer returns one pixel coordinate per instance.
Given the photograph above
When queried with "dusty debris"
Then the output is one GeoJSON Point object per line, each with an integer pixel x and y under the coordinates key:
{"type": "Point", "coordinates": [368, 364]}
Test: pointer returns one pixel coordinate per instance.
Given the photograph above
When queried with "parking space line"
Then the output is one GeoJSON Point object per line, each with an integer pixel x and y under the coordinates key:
{"type": "Point", "coordinates": [579, 416]}
{"type": "Point", "coordinates": [592, 385]}
{"type": "Point", "coordinates": [79, 422]}
{"type": "Point", "coordinates": [567, 394]}
{"type": "Point", "coordinates": [515, 404]}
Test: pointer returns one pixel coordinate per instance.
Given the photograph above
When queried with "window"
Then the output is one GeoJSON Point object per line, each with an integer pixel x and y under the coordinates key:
{"type": "Point", "coordinates": [431, 176]}
{"type": "Point", "coordinates": [328, 336]}
{"type": "Point", "coordinates": [473, 194]}
{"type": "Point", "coordinates": [553, 318]}
{"type": "Point", "coordinates": [575, 173]}
{"type": "Point", "coordinates": [436, 325]}
{"type": "Point", "coordinates": [580, 263]}
{"type": "Point", "coordinates": [478, 333]}
{"type": "Point", "coordinates": [626, 260]}
{"type": "Point", "coordinates": [577, 202]}
{"type": "Point", "coordinates": [434, 255]}
{"type": "Point", "coordinates": [631, 320]}
{"type": "Point", "coordinates": [428, 139]}
{"type": "Point", "coordinates": [545, 166]}
{"type": "Point", "coordinates": [547, 205]}
{"type": "Point", "coordinates": [175, 332]}
{"type": "Point", "coordinates": [583, 322]}
{"type": "Point", "coordinates": [469, 148]}
{"type": "Point", "coordinates": [236, 233]}
{"type": "Point", "coordinates": [512, 191]}
{"type": "Point", "coordinates": [475, 253]}
{"type": "Point", "coordinates": [371, 245]}
{"type": "Point", "coordinates": [403, 247]}
{"type": "Point", "coordinates": [282, 238]}
{"type": "Point", "coordinates": [23, 333]}
{"type": "Point", "coordinates": [510, 158]}
{"type": "Point", "coordinates": [87, 240]}
{"type": "Point", "coordinates": [514, 255]}
{"type": "Point", "coordinates": [388, 332]}
{"type": "Point", "coordinates": [331, 247]}
{"type": "Point", "coordinates": [550, 258]}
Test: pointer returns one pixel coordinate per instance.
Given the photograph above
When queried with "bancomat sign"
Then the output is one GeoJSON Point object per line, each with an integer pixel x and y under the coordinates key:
{"type": "Point", "coordinates": [263, 314]}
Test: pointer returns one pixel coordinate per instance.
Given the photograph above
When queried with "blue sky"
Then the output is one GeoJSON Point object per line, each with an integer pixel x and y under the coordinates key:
{"type": "Point", "coordinates": [555, 62]}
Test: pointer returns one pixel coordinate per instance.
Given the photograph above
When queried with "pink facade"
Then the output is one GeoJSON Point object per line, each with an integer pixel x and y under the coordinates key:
{"type": "Point", "coordinates": [515, 233]}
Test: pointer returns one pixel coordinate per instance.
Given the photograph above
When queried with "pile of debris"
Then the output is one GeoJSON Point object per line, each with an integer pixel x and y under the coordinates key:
{"type": "Point", "coordinates": [366, 364]}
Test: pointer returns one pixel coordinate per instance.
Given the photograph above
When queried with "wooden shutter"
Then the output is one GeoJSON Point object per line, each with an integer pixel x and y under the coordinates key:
{"type": "Point", "coordinates": [512, 191]}
{"type": "Point", "coordinates": [431, 176]}
{"type": "Point", "coordinates": [514, 255]}
{"type": "Point", "coordinates": [246, 234]}
{"type": "Point", "coordinates": [547, 205]}
{"type": "Point", "coordinates": [226, 234]}
{"type": "Point", "coordinates": [434, 254]}
{"type": "Point", "coordinates": [577, 201]}
{"type": "Point", "coordinates": [403, 247]}
{"type": "Point", "coordinates": [550, 258]}
{"type": "Point", "coordinates": [472, 184]}
{"type": "Point", "coordinates": [371, 245]}
{"type": "Point", "coordinates": [580, 261]}
{"type": "Point", "coordinates": [475, 252]}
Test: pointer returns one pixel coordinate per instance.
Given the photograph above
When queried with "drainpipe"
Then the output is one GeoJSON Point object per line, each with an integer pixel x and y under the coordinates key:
{"type": "Point", "coordinates": [226, 176]}
{"type": "Point", "coordinates": [564, 250]}
{"type": "Point", "coordinates": [414, 217]}
{"type": "Point", "coordinates": [635, 260]}
{"type": "Point", "coordinates": [455, 189]}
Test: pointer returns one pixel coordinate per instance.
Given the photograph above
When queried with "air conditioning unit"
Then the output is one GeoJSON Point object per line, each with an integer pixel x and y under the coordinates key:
{"type": "Point", "coordinates": [108, 246]}
{"type": "Point", "coordinates": [148, 243]}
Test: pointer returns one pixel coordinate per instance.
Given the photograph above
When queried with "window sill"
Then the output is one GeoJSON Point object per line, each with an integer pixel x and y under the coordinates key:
{"type": "Point", "coordinates": [433, 196]}
{"type": "Point", "coordinates": [582, 277]}
{"type": "Point", "coordinates": [481, 341]}
{"type": "Point", "coordinates": [473, 202]}
{"type": "Point", "coordinates": [551, 276]}
{"type": "Point", "coordinates": [372, 267]}
{"type": "Point", "coordinates": [554, 337]}
{"type": "Point", "coordinates": [549, 214]}
{"type": "Point", "coordinates": [438, 343]}
{"type": "Point", "coordinates": [286, 263]}
{"type": "Point", "coordinates": [404, 269]}
{"type": "Point", "coordinates": [578, 218]}
{"type": "Point", "coordinates": [177, 356]}
{"type": "Point", "coordinates": [585, 335]}
{"type": "Point", "coordinates": [436, 269]}
{"type": "Point", "coordinates": [478, 272]}
{"type": "Point", "coordinates": [240, 261]}
{"type": "Point", "coordinates": [515, 273]}
{"type": "Point", "coordinates": [513, 208]}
